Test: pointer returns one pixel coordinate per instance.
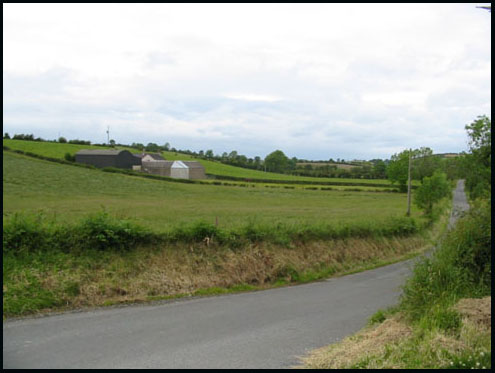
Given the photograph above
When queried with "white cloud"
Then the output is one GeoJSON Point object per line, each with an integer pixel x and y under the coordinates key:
{"type": "Point", "coordinates": [252, 97]}
{"type": "Point", "coordinates": [316, 80]}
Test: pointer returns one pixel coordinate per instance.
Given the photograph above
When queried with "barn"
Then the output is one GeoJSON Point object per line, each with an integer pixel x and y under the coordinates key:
{"type": "Point", "coordinates": [175, 169]}
{"type": "Point", "coordinates": [151, 157]}
{"type": "Point", "coordinates": [161, 168]}
{"type": "Point", "coordinates": [196, 170]}
{"type": "Point", "coordinates": [108, 158]}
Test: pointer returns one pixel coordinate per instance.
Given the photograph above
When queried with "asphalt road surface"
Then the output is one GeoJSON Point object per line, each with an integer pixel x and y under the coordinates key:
{"type": "Point", "coordinates": [262, 329]}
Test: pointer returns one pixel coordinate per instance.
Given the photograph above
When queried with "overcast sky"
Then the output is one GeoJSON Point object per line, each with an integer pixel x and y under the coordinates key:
{"type": "Point", "coordinates": [317, 81]}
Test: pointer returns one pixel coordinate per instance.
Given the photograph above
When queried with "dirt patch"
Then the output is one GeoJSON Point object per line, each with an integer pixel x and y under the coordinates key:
{"type": "Point", "coordinates": [476, 311]}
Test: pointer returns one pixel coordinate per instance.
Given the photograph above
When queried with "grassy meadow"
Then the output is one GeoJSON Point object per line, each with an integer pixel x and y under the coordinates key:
{"type": "Point", "coordinates": [68, 193]}
{"type": "Point", "coordinates": [80, 237]}
{"type": "Point", "coordinates": [57, 150]}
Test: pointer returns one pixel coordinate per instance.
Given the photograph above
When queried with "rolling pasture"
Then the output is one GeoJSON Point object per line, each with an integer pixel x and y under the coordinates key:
{"type": "Point", "coordinates": [42, 275]}
{"type": "Point", "coordinates": [68, 193]}
{"type": "Point", "coordinates": [57, 150]}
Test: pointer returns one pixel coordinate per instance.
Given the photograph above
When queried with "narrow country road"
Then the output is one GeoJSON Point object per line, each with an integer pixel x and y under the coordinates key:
{"type": "Point", "coordinates": [264, 329]}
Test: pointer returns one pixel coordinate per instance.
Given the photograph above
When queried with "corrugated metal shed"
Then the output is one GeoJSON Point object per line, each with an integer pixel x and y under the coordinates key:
{"type": "Point", "coordinates": [157, 167]}
{"type": "Point", "coordinates": [196, 170]}
{"type": "Point", "coordinates": [107, 158]}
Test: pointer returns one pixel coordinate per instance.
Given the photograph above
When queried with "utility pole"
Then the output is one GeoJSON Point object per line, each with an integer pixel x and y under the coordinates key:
{"type": "Point", "coordinates": [408, 213]}
{"type": "Point", "coordinates": [108, 135]}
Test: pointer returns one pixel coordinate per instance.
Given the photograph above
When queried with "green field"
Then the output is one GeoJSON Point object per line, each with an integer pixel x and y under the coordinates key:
{"type": "Point", "coordinates": [267, 234]}
{"type": "Point", "coordinates": [57, 150]}
{"type": "Point", "coordinates": [68, 193]}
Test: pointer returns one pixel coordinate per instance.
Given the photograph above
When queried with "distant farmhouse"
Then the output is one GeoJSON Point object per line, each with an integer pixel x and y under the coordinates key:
{"type": "Point", "coordinates": [146, 162]}
{"type": "Point", "coordinates": [150, 157]}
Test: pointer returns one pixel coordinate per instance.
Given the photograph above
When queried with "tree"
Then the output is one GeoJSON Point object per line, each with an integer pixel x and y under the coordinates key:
{"type": "Point", "coordinates": [62, 140]}
{"type": "Point", "coordinates": [166, 147]}
{"type": "Point", "coordinates": [476, 165]}
{"type": "Point", "coordinates": [152, 147]}
{"type": "Point", "coordinates": [6, 136]}
{"type": "Point", "coordinates": [397, 170]}
{"type": "Point", "coordinates": [277, 161]}
{"type": "Point", "coordinates": [112, 143]}
{"type": "Point", "coordinates": [424, 163]}
{"type": "Point", "coordinates": [432, 190]}
{"type": "Point", "coordinates": [209, 154]}
{"type": "Point", "coordinates": [379, 170]}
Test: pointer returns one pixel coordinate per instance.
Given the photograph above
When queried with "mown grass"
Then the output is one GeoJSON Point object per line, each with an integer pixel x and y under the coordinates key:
{"type": "Point", "coordinates": [68, 193]}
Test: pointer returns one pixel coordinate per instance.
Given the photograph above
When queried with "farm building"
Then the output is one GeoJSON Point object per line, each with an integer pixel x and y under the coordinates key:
{"type": "Point", "coordinates": [108, 158]}
{"type": "Point", "coordinates": [175, 169]}
{"type": "Point", "coordinates": [161, 168]}
{"type": "Point", "coordinates": [150, 157]}
{"type": "Point", "coordinates": [195, 170]}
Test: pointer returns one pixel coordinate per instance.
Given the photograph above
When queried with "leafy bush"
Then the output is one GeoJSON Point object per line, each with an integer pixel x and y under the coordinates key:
{"type": "Point", "coordinates": [101, 232]}
{"type": "Point", "coordinates": [69, 157]}
{"type": "Point", "coordinates": [25, 233]}
{"type": "Point", "coordinates": [196, 232]}
{"type": "Point", "coordinates": [432, 190]}
{"type": "Point", "coordinates": [460, 267]}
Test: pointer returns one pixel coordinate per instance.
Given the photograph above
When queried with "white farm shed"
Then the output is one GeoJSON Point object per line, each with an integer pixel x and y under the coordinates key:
{"type": "Point", "coordinates": [179, 170]}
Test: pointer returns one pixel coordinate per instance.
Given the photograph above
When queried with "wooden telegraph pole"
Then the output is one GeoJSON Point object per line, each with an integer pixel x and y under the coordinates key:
{"type": "Point", "coordinates": [408, 213]}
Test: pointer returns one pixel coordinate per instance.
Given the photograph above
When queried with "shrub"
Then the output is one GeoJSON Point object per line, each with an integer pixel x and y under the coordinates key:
{"type": "Point", "coordinates": [196, 232]}
{"type": "Point", "coordinates": [25, 233]}
{"type": "Point", "coordinates": [432, 190]}
{"type": "Point", "coordinates": [460, 267]}
{"type": "Point", "coordinates": [69, 157]}
{"type": "Point", "coordinates": [100, 231]}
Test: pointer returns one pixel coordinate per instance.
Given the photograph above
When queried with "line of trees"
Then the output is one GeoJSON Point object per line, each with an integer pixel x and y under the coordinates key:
{"type": "Point", "coordinates": [30, 137]}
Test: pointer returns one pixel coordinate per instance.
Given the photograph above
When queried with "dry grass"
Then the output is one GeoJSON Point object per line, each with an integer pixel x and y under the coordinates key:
{"type": "Point", "coordinates": [368, 342]}
{"type": "Point", "coordinates": [476, 311]}
{"type": "Point", "coordinates": [169, 271]}
{"type": "Point", "coordinates": [390, 344]}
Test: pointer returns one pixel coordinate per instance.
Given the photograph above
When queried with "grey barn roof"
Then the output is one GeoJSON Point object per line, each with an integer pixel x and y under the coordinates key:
{"type": "Point", "coordinates": [193, 164]}
{"type": "Point", "coordinates": [155, 156]}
